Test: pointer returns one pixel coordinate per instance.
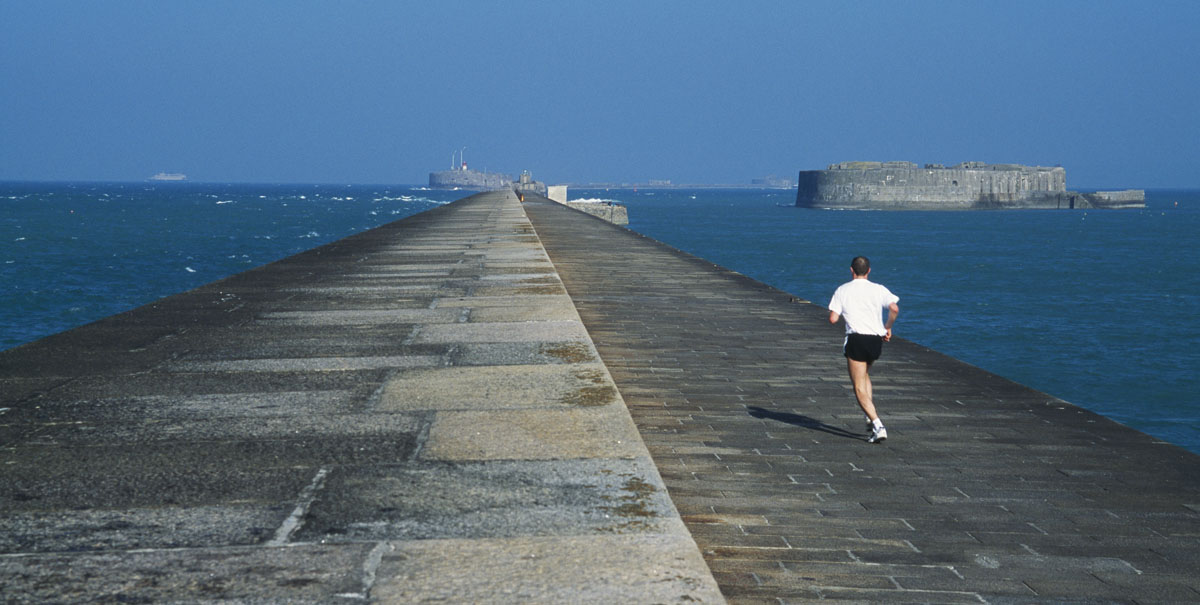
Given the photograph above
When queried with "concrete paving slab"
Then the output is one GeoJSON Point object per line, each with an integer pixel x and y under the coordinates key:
{"type": "Point", "coordinates": [490, 499]}
{"type": "Point", "coordinates": [235, 425]}
{"type": "Point", "coordinates": [77, 394]}
{"type": "Point", "coordinates": [525, 331]}
{"type": "Point", "coordinates": [533, 301]}
{"type": "Point", "coordinates": [133, 527]}
{"type": "Point", "coordinates": [499, 387]}
{"type": "Point", "coordinates": [518, 289]}
{"type": "Point", "coordinates": [308, 364]}
{"type": "Point", "coordinates": [293, 574]}
{"type": "Point", "coordinates": [538, 434]}
{"type": "Point", "coordinates": [571, 569]}
{"type": "Point", "coordinates": [359, 317]}
{"type": "Point", "coordinates": [548, 312]}
{"type": "Point", "coordinates": [521, 353]}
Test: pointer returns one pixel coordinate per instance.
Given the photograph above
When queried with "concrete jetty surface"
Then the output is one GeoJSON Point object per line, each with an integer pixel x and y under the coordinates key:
{"type": "Point", "coordinates": [413, 414]}
{"type": "Point", "coordinates": [438, 410]}
{"type": "Point", "coordinates": [986, 490]}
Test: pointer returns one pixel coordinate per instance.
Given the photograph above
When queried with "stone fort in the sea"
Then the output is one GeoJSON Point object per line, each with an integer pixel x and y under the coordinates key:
{"type": "Point", "coordinates": [966, 186]}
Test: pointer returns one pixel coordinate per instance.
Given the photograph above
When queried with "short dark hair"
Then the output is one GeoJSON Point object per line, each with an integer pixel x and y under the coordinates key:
{"type": "Point", "coordinates": [860, 265]}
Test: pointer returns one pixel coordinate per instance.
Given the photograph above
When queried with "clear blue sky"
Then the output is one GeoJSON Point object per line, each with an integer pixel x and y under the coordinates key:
{"type": "Point", "coordinates": [693, 91]}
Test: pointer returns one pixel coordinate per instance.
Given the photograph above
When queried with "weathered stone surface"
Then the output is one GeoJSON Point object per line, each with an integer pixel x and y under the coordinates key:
{"type": "Point", "coordinates": [490, 499]}
{"type": "Point", "coordinates": [387, 404]}
{"type": "Point", "coordinates": [986, 491]}
{"type": "Point", "coordinates": [501, 386]}
{"type": "Point", "coordinates": [533, 434]}
{"type": "Point", "coordinates": [293, 574]}
{"type": "Point", "coordinates": [574, 569]}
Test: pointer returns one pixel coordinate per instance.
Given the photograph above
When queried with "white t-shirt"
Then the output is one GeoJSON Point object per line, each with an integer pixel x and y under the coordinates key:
{"type": "Point", "coordinates": [861, 303]}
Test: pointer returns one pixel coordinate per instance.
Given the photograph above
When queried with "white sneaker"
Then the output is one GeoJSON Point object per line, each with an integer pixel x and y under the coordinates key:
{"type": "Point", "coordinates": [877, 435]}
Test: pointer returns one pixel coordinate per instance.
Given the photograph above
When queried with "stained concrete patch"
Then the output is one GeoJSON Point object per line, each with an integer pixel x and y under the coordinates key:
{"type": "Point", "coordinates": [535, 268]}
{"type": "Point", "coordinates": [520, 267]}
{"type": "Point", "coordinates": [359, 317]}
{"type": "Point", "coordinates": [521, 353]}
{"type": "Point", "coordinates": [415, 275]}
{"type": "Point", "coordinates": [252, 404]}
{"type": "Point", "coordinates": [295, 574]}
{"type": "Point", "coordinates": [145, 429]}
{"type": "Point", "coordinates": [260, 340]}
{"type": "Point", "coordinates": [312, 364]}
{"type": "Point", "coordinates": [547, 300]}
{"type": "Point", "coordinates": [541, 312]}
{"type": "Point", "coordinates": [491, 499]}
{"type": "Point", "coordinates": [499, 387]}
{"type": "Point", "coordinates": [520, 278]}
{"type": "Point", "coordinates": [410, 267]}
{"type": "Point", "coordinates": [520, 289]}
{"type": "Point", "coordinates": [540, 434]}
{"type": "Point", "coordinates": [147, 527]}
{"type": "Point", "coordinates": [529, 331]}
{"type": "Point", "coordinates": [568, 569]}
{"type": "Point", "coordinates": [176, 384]}
{"type": "Point", "coordinates": [519, 252]}
{"type": "Point", "coordinates": [60, 478]}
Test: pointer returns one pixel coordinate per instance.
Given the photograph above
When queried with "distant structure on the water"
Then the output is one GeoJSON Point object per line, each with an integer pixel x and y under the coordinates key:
{"type": "Point", "coordinates": [773, 182]}
{"type": "Point", "coordinates": [966, 186]}
{"type": "Point", "coordinates": [609, 210]}
{"type": "Point", "coordinates": [526, 184]}
{"type": "Point", "coordinates": [460, 177]}
{"type": "Point", "coordinates": [168, 176]}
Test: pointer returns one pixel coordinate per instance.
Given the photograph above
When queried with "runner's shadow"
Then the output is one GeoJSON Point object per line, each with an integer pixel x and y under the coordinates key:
{"type": "Point", "coordinates": [802, 421]}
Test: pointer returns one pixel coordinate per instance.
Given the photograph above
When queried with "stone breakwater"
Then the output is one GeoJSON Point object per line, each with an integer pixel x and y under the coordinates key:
{"type": "Point", "coordinates": [986, 491]}
{"type": "Point", "coordinates": [612, 212]}
{"type": "Point", "coordinates": [411, 414]}
{"type": "Point", "coordinates": [966, 186]}
{"type": "Point", "coordinates": [608, 210]}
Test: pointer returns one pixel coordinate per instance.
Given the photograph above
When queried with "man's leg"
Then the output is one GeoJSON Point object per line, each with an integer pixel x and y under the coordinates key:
{"type": "Point", "coordinates": [862, 386]}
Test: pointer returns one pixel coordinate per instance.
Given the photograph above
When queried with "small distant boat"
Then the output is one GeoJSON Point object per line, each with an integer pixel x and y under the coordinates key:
{"type": "Point", "coordinates": [169, 176]}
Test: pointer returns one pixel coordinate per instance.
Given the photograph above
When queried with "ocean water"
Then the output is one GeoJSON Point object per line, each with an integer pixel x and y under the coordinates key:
{"type": "Point", "coordinates": [72, 253]}
{"type": "Point", "coordinates": [1100, 308]}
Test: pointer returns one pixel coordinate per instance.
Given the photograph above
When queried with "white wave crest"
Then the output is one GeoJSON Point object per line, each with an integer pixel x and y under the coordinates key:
{"type": "Point", "coordinates": [595, 200]}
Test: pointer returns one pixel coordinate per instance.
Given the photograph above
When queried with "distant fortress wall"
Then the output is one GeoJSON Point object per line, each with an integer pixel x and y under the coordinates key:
{"type": "Point", "coordinates": [969, 185]}
{"type": "Point", "coordinates": [906, 185]}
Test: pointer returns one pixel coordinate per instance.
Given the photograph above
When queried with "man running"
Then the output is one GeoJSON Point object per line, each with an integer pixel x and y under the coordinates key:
{"type": "Point", "coordinates": [861, 302]}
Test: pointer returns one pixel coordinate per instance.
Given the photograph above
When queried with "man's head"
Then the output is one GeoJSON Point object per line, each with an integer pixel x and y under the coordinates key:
{"type": "Point", "coordinates": [860, 266]}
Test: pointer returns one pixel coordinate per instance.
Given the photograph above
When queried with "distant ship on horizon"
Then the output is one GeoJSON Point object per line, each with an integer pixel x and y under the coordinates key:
{"type": "Point", "coordinates": [169, 176]}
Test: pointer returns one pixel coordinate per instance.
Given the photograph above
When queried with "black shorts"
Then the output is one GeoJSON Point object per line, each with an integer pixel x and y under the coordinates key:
{"type": "Point", "coordinates": [863, 347]}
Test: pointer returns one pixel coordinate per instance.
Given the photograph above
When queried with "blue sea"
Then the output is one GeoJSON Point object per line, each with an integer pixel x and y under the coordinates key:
{"type": "Point", "coordinates": [72, 253]}
{"type": "Point", "coordinates": [1100, 308]}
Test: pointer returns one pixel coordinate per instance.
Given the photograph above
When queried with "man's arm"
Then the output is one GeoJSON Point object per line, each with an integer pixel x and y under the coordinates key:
{"type": "Point", "coordinates": [834, 317]}
{"type": "Point", "coordinates": [893, 312]}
